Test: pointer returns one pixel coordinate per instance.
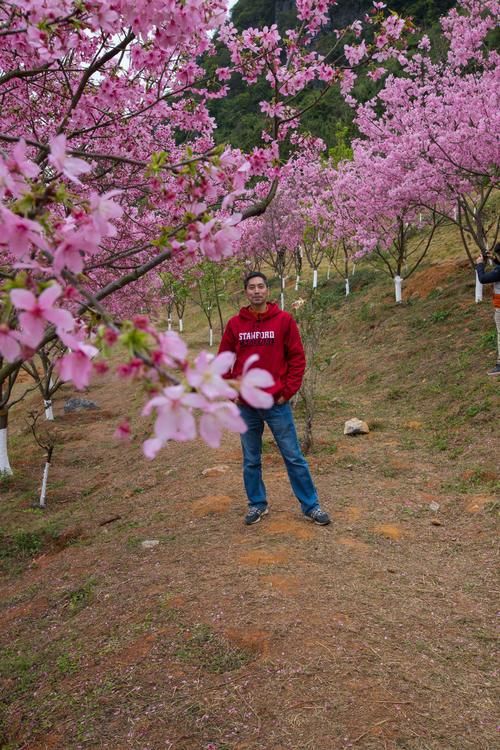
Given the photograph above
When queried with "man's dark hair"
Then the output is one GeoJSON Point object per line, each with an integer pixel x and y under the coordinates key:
{"type": "Point", "coordinates": [254, 275]}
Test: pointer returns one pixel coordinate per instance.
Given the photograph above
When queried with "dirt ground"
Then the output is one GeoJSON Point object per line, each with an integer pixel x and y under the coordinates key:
{"type": "Point", "coordinates": [375, 633]}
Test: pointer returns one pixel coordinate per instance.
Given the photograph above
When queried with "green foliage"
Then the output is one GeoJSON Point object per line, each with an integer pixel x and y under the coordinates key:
{"type": "Point", "coordinates": [238, 116]}
{"type": "Point", "coordinates": [81, 597]}
{"type": "Point", "coordinates": [22, 545]}
{"type": "Point", "coordinates": [208, 650]}
{"type": "Point", "coordinates": [488, 340]}
{"type": "Point", "coordinates": [67, 664]}
{"type": "Point", "coordinates": [440, 315]}
{"type": "Point", "coordinates": [18, 668]}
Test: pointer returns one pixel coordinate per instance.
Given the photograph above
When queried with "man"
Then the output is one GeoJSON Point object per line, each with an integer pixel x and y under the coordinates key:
{"type": "Point", "coordinates": [492, 277]}
{"type": "Point", "coordinates": [263, 329]}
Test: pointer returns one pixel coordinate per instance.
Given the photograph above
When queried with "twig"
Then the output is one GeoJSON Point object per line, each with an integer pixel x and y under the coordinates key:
{"type": "Point", "coordinates": [109, 520]}
{"type": "Point", "coordinates": [327, 648]}
{"type": "Point", "coordinates": [377, 724]}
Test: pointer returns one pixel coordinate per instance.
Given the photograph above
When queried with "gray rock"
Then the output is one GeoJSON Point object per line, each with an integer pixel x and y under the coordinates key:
{"type": "Point", "coordinates": [214, 471]}
{"type": "Point", "coordinates": [150, 543]}
{"type": "Point", "coordinates": [79, 404]}
{"type": "Point", "coordinates": [356, 427]}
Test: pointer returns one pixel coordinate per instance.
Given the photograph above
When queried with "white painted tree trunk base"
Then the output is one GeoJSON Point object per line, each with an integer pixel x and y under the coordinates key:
{"type": "Point", "coordinates": [297, 282]}
{"type": "Point", "coordinates": [5, 469]}
{"type": "Point", "coordinates": [43, 493]}
{"type": "Point", "coordinates": [479, 290]}
{"type": "Point", "coordinates": [169, 323]}
{"type": "Point", "coordinates": [181, 325]}
{"type": "Point", "coordinates": [347, 287]}
{"type": "Point", "coordinates": [398, 283]}
{"type": "Point", "coordinates": [315, 278]}
{"type": "Point", "coordinates": [211, 337]}
{"type": "Point", "coordinates": [49, 413]}
{"type": "Point", "coordinates": [282, 301]}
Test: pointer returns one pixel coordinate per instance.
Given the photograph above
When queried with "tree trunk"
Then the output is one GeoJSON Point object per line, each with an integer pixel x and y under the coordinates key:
{"type": "Point", "coordinates": [5, 469]}
{"type": "Point", "coordinates": [49, 414]}
{"type": "Point", "coordinates": [479, 290]}
{"type": "Point", "coordinates": [398, 281]}
{"type": "Point", "coordinates": [43, 492]}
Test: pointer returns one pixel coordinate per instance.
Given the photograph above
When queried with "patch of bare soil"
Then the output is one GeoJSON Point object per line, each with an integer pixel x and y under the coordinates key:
{"type": "Point", "coordinates": [211, 504]}
{"type": "Point", "coordinates": [259, 557]}
{"type": "Point", "coordinates": [288, 528]}
{"type": "Point", "coordinates": [435, 277]}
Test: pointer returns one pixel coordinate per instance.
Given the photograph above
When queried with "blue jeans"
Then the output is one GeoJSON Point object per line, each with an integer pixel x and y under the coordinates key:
{"type": "Point", "coordinates": [280, 421]}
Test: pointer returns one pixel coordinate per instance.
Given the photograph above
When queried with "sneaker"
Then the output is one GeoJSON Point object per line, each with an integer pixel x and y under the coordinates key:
{"type": "Point", "coordinates": [318, 516]}
{"type": "Point", "coordinates": [496, 370]}
{"type": "Point", "coordinates": [254, 515]}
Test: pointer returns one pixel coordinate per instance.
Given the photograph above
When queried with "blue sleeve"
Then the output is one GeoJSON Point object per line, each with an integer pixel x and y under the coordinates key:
{"type": "Point", "coordinates": [487, 277]}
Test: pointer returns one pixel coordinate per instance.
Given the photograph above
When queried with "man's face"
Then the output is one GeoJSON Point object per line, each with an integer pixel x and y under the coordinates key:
{"type": "Point", "coordinates": [257, 291]}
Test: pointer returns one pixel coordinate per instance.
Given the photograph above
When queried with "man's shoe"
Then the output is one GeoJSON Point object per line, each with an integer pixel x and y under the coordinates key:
{"type": "Point", "coordinates": [496, 370]}
{"type": "Point", "coordinates": [318, 516]}
{"type": "Point", "coordinates": [254, 515]}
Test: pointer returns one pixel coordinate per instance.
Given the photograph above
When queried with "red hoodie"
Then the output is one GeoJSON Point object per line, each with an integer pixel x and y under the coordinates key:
{"type": "Point", "coordinates": [274, 336]}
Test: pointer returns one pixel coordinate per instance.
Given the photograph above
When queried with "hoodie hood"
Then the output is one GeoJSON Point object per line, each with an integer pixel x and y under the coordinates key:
{"type": "Point", "coordinates": [271, 312]}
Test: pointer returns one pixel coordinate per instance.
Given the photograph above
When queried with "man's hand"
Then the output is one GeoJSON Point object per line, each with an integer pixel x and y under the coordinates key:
{"type": "Point", "coordinates": [281, 401]}
{"type": "Point", "coordinates": [479, 259]}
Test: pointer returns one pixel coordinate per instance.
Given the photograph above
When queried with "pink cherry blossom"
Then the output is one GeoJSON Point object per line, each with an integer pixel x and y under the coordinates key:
{"type": "Point", "coordinates": [9, 347]}
{"type": "Point", "coordinates": [123, 431]}
{"type": "Point", "coordinates": [39, 311]}
{"type": "Point", "coordinates": [252, 381]}
{"type": "Point", "coordinates": [172, 349]}
{"type": "Point", "coordinates": [152, 447]}
{"type": "Point", "coordinates": [76, 366]}
{"type": "Point", "coordinates": [20, 163]}
{"type": "Point", "coordinates": [103, 209]}
{"type": "Point", "coordinates": [174, 420]}
{"type": "Point", "coordinates": [70, 166]}
{"type": "Point", "coordinates": [206, 376]}
{"type": "Point", "coordinates": [218, 417]}
{"type": "Point", "coordinates": [19, 234]}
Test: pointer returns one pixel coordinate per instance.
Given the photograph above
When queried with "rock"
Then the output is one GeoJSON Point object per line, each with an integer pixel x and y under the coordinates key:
{"type": "Point", "coordinates": [434, 506]}
{"type": "Point", "coordinates": [79, 404]}
{"type": "Point", "coordinates": [436, 522]}
{"type": "Point", "coordinates": [215, 471]}
{"type": "Point", "coordinates": [356, 427]}
{"type": "Point", "coordinates": [150, 543]}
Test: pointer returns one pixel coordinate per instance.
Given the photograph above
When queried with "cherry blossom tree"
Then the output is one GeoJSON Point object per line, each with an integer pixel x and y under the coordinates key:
{"type": "Point", "coordinates": [438, 125]}
{"type": "Point", "coordinates": [109, 169]}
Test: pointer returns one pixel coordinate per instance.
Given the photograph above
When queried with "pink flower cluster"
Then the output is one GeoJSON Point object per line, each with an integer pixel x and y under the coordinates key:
{"type": "Point", "coordinates": [208, 391]}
